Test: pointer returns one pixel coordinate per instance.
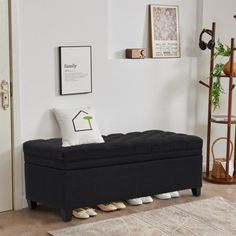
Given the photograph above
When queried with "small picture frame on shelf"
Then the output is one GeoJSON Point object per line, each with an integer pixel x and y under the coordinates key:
{"type": "Point", "coordinates": [164, 28]}
{"type": "Point", "coordinates": [75, 69]}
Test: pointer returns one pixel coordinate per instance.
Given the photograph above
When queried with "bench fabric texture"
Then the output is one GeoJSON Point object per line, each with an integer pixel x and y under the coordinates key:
{"type": "Point", "coordinates": [124, 166]}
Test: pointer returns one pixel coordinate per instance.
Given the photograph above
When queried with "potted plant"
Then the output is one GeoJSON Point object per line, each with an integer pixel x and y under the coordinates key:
{"type": "Point", "coordinates": [221, 50]}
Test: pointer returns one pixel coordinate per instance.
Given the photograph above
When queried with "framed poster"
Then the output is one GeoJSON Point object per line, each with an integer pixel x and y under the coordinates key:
{"type": "Point", "coordinates": [164, 26]}
{"type": "Point", "coordinates": [75, 69]}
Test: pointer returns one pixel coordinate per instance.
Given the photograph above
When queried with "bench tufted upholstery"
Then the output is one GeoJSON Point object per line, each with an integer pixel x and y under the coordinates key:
{"type": "Point", "coordinates": [117, 149]}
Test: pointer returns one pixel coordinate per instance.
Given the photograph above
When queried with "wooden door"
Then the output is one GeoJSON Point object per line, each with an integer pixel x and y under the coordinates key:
{"type": "Point", "coordinates": [5, 112]}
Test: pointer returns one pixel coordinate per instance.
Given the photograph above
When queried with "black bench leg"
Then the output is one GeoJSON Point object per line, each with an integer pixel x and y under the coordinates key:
{"type": "Point", "coordinates": [66, 215]}
{"type": "Point", "coordinates": [196, 191]}
{"type": "Point", "coordinates": [32, 204]}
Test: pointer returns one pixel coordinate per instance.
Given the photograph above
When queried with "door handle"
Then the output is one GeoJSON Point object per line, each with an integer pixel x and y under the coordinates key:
{"type": "Point", "coordinates": [4, 91]}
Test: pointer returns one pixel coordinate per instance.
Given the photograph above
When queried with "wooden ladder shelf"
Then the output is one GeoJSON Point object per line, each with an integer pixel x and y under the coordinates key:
{"type": "Point", "coordinates": [228, 120]}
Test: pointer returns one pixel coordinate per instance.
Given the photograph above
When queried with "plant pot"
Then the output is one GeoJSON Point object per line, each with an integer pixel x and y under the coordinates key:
{"type": "Point", "coordinates": [226, 69]}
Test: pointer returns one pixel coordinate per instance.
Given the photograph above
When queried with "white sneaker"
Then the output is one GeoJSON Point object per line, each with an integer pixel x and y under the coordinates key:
{"type": "Point", "coordinates": [135, 201]}
{"type": "Point", "coordinates": [174, 194]}
{"type": "Point", "coordinates": [147, 199]}
{"type": "Point", "coordinates": [163, 196]}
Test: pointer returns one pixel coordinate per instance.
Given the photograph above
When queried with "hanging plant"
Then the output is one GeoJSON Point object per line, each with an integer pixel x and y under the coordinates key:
{"type": "Point", "coordinates": [217, 88]}
{"type": "Point", "coordinates": [221, 50]}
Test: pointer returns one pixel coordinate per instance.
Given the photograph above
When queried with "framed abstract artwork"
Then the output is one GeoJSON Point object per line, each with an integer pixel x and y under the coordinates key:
{"type": "Point", "coordinates": [164, 27]}
{"type": "Point", "coordinates": [75, 69]}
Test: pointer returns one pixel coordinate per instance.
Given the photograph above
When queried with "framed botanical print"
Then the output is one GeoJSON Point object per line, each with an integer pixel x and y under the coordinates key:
{"type": "Point", "coordinates": [164, 27]}
{"type": "Point", "coordinates": [75, 69]}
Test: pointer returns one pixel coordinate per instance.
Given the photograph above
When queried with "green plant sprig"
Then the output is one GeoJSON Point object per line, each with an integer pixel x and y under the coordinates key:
{"type": "Point", "coordinates": [222, 50]}
{"type": "Point", "coordinates": [217, 88]}
{"type": "Point", "coordinates": [217, 71]}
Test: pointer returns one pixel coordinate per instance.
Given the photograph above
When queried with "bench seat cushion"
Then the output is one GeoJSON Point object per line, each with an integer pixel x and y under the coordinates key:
{"type": "Point", "coordinates": [117, 149]}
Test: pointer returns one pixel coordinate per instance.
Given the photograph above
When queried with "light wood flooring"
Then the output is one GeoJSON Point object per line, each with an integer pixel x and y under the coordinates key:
{"type": "Point", "coordinates": [37, 222]}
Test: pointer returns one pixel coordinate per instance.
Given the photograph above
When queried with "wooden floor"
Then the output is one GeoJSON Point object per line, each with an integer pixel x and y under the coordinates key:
{"type": "Point", "coordinates": [37, 222]}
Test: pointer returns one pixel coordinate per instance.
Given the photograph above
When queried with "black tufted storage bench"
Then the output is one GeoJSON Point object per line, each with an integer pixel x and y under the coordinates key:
{"type": "Point", "coordinates": [125, 166]}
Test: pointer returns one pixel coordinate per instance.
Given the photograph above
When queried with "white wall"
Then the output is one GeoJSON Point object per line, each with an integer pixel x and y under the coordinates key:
{"type": "Point", "coordinates": [151, 92]}
{"type": "Point", "coordinates": [45, 25]}
{"type": "Point", "coordinates": [154, 93]}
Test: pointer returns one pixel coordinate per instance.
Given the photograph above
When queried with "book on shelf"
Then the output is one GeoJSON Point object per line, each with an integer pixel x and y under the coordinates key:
{"type": "Point", "coordinates": [222, 118]}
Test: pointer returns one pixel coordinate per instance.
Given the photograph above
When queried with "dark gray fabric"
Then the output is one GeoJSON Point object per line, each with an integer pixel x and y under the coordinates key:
{"type": "Point", "coordinates": [117, 149]}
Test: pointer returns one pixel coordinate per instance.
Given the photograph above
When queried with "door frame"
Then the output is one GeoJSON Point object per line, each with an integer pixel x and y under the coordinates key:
{"type": "Point", "coordinates": [17, 152]}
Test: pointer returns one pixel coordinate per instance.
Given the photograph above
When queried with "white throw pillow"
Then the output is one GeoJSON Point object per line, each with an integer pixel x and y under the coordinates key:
{"type": "Point", "coordinates": [78, 126]}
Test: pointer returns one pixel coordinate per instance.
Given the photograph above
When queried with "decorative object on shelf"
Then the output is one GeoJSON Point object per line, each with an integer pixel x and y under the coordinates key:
{"type": "Point", "coordinates": [228, 119]}
{"type": "Point", "coordinates": [219, 163]}
{"type": "Point", "coordinates": [226, 69]}
{"type": "Point", "coordinates": [164, 27]}
{"type": "Point", "coordinates": [135, 53]}
{"type": "Point", "coordinates": [75, 69]}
